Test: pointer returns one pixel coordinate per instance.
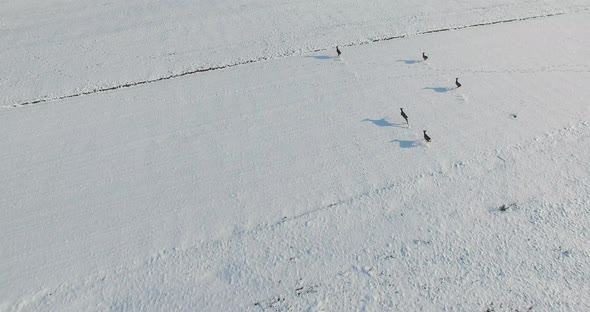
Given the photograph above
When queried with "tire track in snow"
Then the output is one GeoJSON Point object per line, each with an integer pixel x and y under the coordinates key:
{"type": "Point", "coordinates": [267, 58]}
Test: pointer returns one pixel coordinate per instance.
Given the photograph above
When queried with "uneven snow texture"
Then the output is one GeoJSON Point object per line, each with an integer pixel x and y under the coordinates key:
{"type": "Point", "coordinates": [293, 184]}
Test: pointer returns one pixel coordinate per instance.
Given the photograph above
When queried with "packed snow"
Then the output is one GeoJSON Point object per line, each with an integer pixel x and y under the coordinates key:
{"type": "Point", "coordinates": [292, 183]}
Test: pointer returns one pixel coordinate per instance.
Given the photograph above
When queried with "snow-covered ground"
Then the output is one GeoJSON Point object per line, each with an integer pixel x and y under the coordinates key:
{"type": "Point", "coordinates": [55, 48]}
{"type": "Point", "coordinates": [292, 183]}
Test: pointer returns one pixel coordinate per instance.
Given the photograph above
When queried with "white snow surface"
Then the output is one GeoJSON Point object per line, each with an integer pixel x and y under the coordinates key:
{"type": "Point", "coordinates": [54, 48]}
{"type": "Point", "coordinates": [292, 183]}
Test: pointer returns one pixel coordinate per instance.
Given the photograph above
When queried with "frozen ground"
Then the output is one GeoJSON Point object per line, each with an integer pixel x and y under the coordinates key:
{"type": "Point", "coordinates": [293, 185]}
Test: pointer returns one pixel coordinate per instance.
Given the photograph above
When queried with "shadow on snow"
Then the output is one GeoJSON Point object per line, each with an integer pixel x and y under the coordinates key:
{"type": "Point", "coordinates": [438, 89]}
{"type": "Point", "coordinates": [382, 122]}
{"type": "Point", "coordinates": [407, 143]}
{"type": "Point", "coordinates": [322, 57]}
{"type": "Point", "coordinates": [409, 62]}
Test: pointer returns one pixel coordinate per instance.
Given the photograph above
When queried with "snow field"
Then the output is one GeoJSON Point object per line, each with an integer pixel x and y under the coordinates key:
{"type": "Point", "coordinates": [293, 184]}
{"type": "Point", "coordinates": [110, 43]}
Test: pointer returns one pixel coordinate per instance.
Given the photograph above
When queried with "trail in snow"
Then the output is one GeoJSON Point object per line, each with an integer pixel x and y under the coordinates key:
{"type": "Point", "coordinates": [266, 58]}
{"type": "Point", "coordinates": [389, 269]}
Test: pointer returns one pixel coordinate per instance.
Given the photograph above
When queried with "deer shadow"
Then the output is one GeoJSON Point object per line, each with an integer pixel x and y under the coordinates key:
{"type": "Point", "coordinates": [409, 62]}
{"type": "Point", "coordinates": [439, 89]}
{"type": "Point", "coordinates": [407, 143]}
{"type": "Point", "coordinates": [322, 57]}
{"type": "Point", "coordinates": [382, 122]}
